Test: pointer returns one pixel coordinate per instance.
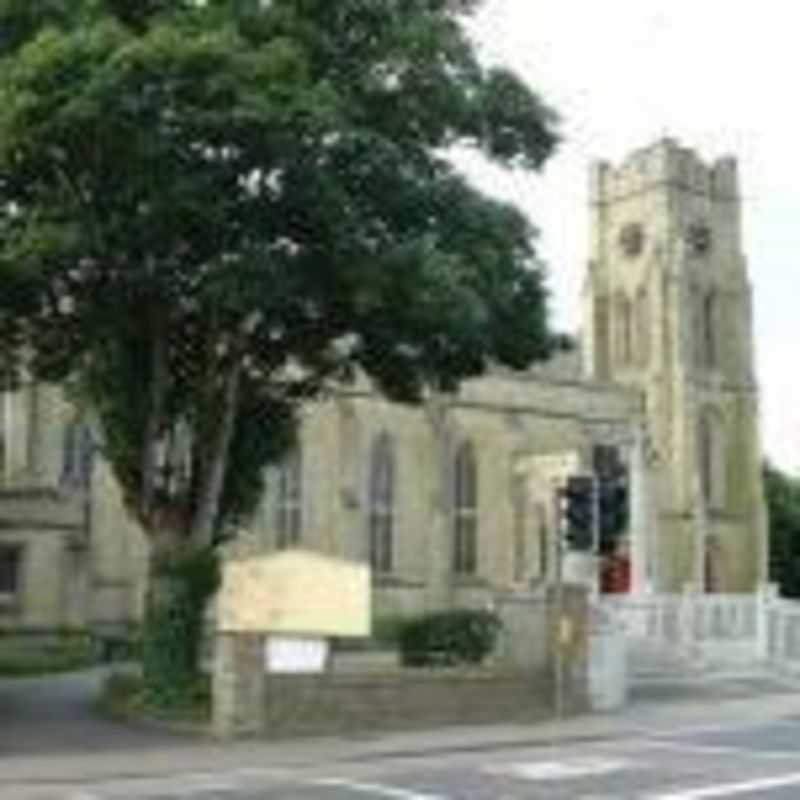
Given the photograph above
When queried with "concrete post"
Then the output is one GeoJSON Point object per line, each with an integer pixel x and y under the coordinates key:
{"type": "Point", "coordinates": [581, 569]}
{"type": "Point", "coordinates": [568, 633]}
{"type": "Point", "coordinates": [765, 598]}
{"type": "Point", "coordinates": [238, 690]}
{"type": "Point", "coordinates": [687, 618]}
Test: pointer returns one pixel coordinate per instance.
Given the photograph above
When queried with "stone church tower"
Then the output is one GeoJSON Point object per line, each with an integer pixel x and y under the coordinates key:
{"type": "Point", "coordinates": [668, 313]}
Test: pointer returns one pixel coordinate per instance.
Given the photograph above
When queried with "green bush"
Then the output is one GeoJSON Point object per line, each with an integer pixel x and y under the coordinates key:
{"type": "Point", "coordinates": [29, 661]}
{"type": "Point", "coordinates": [125, 696]}
{"type": "Point", "coordinates": [448, 638]}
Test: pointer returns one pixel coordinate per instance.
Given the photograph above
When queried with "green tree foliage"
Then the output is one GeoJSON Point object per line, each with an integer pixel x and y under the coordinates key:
{"type": "Point", "coordinates": [783, 505]}
{"type": "Point", "coordinates": [211, 212]}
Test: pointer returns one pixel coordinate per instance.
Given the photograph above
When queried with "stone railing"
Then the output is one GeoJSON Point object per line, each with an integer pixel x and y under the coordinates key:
{"type": "Point", "coordinates": [698, 630]}
{"type": "Point", "coordinates": [783, 636]}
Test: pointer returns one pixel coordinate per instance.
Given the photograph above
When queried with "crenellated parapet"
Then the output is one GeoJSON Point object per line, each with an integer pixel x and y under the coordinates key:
{"type": "Point", "coordinates": [665, 162]}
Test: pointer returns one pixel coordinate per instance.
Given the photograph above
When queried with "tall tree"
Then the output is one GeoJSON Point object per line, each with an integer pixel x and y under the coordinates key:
{"type": "Point", "coordinates": [783, 505]}
{"type": "Point", "coordinates": [211, 212]}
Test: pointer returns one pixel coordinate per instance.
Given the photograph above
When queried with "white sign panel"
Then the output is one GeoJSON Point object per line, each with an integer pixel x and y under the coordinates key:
{"type": "Point", "coordinates": [295, 655]}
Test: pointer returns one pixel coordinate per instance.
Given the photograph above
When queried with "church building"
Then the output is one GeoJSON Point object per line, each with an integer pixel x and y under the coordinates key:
{"type": "Point", "coordinates": [454, 501]}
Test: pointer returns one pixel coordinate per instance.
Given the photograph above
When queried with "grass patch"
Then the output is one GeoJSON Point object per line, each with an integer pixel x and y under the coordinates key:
{"type": "Point", "coordinates": [23, 662]}
{"type": "Point", "coordinates": [124, 696]}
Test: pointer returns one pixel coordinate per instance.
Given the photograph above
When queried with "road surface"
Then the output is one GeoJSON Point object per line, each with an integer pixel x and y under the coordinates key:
{"type": "Point", "coordinates": [756, 760]}
{"type": "Point", "coordinates": [681, 744]}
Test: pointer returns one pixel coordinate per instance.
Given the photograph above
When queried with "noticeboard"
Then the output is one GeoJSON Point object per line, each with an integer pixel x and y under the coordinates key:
{"type": "Point", "coordinates": [294, 592]}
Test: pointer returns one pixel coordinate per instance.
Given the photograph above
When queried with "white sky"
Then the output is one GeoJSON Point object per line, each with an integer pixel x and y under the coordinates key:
{"type": "Point", "coordinates": [720, 76]}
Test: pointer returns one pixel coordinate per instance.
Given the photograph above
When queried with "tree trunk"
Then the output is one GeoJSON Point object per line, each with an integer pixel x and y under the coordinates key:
{"type": "Point", "coordinates": [183, 576]}
{"type": "Point", "coordinates": [158, 385]}
{"type": "Point", "coordinates": [180, 582]}
{"type": "Point", "coordinates": [205, 516]}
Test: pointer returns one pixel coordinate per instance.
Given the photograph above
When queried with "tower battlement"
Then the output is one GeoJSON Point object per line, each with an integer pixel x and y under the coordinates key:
{"type": "Point", "coordinates": [665, 162]}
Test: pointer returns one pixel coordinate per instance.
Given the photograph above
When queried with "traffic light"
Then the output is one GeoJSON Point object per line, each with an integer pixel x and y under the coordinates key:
{"type": "Point", "coordinates": [613, 506]}
{"type": "Point", "coordinates": [605, 495]}
{"type": "Point", "coordinates": [578, 511]}
{"type": "Point", "coordinates": [607, 464]}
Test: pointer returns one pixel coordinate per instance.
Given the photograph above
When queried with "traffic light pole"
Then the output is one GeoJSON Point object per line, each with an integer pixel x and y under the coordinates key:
{"type": "Point", "coordinates": [595, 588]}
{"type": "Point", "coordinates": [558, 602]}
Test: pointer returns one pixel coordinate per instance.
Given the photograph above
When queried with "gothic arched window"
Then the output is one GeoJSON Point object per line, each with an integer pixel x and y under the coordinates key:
{"type": "Point", "coordinates": [465, 511]}
{"type": "Point", "coordinates": [381, 504]}
{"type": "Point", "coordinates": [289, 509]}
{"type": "Point", "coordinates": [602, 337]}
{"type": "Point", "coordinates": [709, 330]}
{"type": "Point", "coordinates": [624, 329]}
{"type": "Point", "coordinates": [642, 327]}
{"type": "Point", "coordinates": [706, 437]}
{"type": "Point", "coordinates": [544, 540]}
{"type": "Point", "coordinates": [712, 459]}
{"type": "Point", "coordinates": [519, 505]}
{"type": "Point", "coordinates": [77, 455]}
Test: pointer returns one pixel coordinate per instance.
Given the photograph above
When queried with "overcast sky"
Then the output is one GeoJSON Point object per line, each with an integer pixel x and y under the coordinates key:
{"type": "Point", "coordinates": [720, 77]}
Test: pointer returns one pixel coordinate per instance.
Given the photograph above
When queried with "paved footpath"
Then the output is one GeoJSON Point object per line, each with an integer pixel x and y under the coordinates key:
{"type": "Point", "coordinates": [738, 738]}
{"type": "Point", "coordinates": [57, 716]}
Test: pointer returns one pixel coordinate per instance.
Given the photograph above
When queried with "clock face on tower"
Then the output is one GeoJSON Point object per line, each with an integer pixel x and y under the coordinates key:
{"type": "Point", "coordinates": [698, 238]}
{"type": "Point", "coordinates": [631, 239]}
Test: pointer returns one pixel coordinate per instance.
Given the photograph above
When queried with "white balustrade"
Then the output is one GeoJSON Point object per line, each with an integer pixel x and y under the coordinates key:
{"type": "Point", "coordinates": [706, 630]}
{"type": "Point", "coordinates": [783, 636]}
{"type": "Point", "coordinates": [709, 631]}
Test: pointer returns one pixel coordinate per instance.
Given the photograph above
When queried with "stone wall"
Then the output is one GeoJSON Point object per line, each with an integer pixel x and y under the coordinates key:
{"type": "Point", "coordinates": [516, 685]}
{"type": "Point", "coordinates": [48, 530]}
{"type": "Point", "coordinates": [523, 642]}
{"type": "Point", "coordinates": [353, 703]}
{"type": "Point", "coordinates": [405, 699]}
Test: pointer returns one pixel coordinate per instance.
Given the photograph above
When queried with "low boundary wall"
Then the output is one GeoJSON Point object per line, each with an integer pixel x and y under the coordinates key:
{"type": "Point", "coordinates": [516, 685]}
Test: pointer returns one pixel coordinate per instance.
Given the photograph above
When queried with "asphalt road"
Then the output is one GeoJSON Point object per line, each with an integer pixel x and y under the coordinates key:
{"type": "Point", "coordinates": [757, 760]}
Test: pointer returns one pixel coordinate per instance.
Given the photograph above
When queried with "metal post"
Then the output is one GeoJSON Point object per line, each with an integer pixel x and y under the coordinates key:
{"type": "Point", "coordinates": [595, 587]}
{"type": "Point", "coordinates": [559, 613]}
{"type": "Point", "coordinates": [9, 432]}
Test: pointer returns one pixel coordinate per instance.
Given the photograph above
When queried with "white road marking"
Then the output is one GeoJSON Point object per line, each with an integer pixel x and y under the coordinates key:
{"type": "Point", "coordinates": [707, 749]}
{"type": "Point", "coordinates": [376, 788]}
{"type": "Point", "coordinates": [147, 786]}
{"type": "Point", "coordinates": [721, 727]}
{"type": "Point", "coordinates": [731, 789]}
{"type": "Point", "coordinates": [562, 770]}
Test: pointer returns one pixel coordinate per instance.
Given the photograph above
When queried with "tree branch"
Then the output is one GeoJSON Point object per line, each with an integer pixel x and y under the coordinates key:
{"type": "Point", "coordinates": [215, 466]}
{"type": "Point", "coordinates": [158, 387]}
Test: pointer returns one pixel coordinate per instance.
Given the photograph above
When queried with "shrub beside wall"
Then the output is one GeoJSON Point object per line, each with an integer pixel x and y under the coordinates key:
{"type": "Point", "coordinates": [449, 638]}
